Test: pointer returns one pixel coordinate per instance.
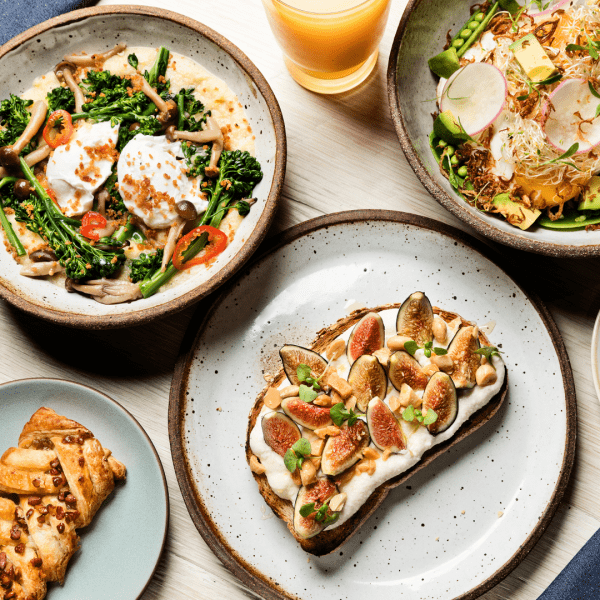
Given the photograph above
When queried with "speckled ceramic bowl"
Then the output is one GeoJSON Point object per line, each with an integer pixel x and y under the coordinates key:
{"type": "Point", "coordinates": [421, 34]}
{"type": "Point", "coordinates": [37, 51]}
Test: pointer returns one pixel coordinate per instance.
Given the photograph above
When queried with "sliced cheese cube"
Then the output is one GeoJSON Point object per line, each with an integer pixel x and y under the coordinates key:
{"type": "Point", "coordinates": [533, 58]}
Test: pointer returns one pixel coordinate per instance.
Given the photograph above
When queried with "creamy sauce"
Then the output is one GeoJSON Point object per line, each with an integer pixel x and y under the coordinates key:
{"type": "Point", "coordinates": [360, 487]}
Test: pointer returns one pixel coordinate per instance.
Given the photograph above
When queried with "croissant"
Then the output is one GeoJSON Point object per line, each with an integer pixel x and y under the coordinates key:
{"type": "Point", "coordinates": [61, 474]}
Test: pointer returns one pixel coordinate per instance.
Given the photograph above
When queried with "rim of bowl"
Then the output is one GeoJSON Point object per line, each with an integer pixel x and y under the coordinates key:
{"type": "Point", "coordinates": [594, 351]}
{"type": "Point", "coordinates": [81, 321]}
{"type": "Point", "coordinates": [455, 205]}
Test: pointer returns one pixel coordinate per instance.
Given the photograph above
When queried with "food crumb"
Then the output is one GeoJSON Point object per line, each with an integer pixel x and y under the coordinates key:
{"type": "Point", "coordinates": [219, 409]}
{"type": "Point", "coordinates": [437, 539]}
{"type": "Point", "coordinates": [500, 513]}
{"type": "Point", "coordinates": [308, 560]}
{"type": "Point", "coordinates": [462, 512]}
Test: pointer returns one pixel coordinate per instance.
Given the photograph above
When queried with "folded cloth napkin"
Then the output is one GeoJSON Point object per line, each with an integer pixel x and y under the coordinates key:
{"type": "Point", "coordinates": [18, 15]}
{"type": "Point", "coordinates": [580, 579]}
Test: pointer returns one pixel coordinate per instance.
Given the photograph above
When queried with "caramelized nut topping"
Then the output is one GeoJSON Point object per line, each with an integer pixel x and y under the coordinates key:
{"type": "Point", "coordinates": [34, 500]}
{"type": "Point", "coordinates": [60, 513]}
{"type": "Point", "coordinates": [37, 482]}
{"type": "Point", "coordinates": [55, 463]}
{"type": "Point", "coordinates": [70, 500]}
{"type": "Point", "coordinates": [29, 513]}
{"type": "Point", "coordinates": [60, 528]}
{"type": "Point", "coordinates": [81, 461]}
{"type": "Point", "coordinates": [20, 548]}
{"type": "Point", "coordinates": [36, 562]}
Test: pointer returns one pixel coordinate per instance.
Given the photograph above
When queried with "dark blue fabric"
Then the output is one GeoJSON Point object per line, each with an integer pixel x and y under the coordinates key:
{"type": "Point", "coordinates": [18, 15]}
{"type": "Point", "coordinates": [580, 579]}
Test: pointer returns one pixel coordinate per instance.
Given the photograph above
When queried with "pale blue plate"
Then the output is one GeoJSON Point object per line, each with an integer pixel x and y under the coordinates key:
{"type": "Point", "coordinates": [126, 537]}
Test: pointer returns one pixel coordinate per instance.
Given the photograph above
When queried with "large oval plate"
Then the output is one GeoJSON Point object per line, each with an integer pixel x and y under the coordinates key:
{"type": "Point", "coordinates": [421, 34]}
{"type": "Point", "coordinates": [37, 51]}
{"type": "Point", "coordinates": [127, 536]}
{"type": "Point", "coordinates": [439, 535]}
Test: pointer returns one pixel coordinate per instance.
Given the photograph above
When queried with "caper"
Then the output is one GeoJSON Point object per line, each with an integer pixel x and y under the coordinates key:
{"type": "Point", "coordinates": [473, 25]}
{"type": "Point", "coordinates": [23, 189]}
{"type": "Point", "coordinates": [454, 161]}
{"type": "Point", "coordinates": [466, 33]}
{"type": "Point", "coordinates": [449, 150]}
{"type": "Point", "coordinates": [186, 210]}
{"type": "Point", "coordinates": [462, 171]}
{"type": "Point", "coordinates": [8, 157]}
{"type": "Point", "coordinates": [442, 144]}
{"type": "Point", "coordinates": [457, 43]}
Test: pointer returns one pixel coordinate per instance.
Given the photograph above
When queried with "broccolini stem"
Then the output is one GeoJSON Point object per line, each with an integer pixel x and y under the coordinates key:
{"type": "Point", "coordinates": [160, 66]}
{"type": "Point", "coordinates": [180, 112]}
{"type": "Point", "coordinates": [11, 236]}
{"type": "Point", "coordinates": [128, 231]}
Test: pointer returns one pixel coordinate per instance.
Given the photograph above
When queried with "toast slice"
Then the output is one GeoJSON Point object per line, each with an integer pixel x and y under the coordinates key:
{"type": "Point", "coordinates": [330, 539]}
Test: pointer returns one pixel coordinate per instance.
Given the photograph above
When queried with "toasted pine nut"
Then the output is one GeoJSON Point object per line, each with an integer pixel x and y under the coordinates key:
{"type": "Point", "coordinates": [337, 502]}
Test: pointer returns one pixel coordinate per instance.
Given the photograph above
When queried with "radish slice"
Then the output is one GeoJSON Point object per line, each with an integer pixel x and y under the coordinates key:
{"type": "Point", "coordinates": [570, 104]}
{"type": "Point", "coordinates": [534, 10]}
{"type": "Point", "coordinates": [475, 95]}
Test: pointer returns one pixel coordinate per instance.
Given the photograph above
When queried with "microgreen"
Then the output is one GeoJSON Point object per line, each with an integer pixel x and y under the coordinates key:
{"type": "Point", "coordinates": [320, 515]}
{"type": "Point", "coordinates": [410, 414]}
{"type": "Point", "coordinates": [561, 159]}
{"type": "Point", "coordinates": [339, 413]}
{"type": "Point", "coordinates": [307, 509]}
{"type": "Point", "coordinates": [591, 47]}
{"type": "Point", "coordinates": [488, 352]}
{"type": "Point", "coordinates": [295, 455]}
{"type": "Point", "coordinates": [412, 347]}
{"type": "Point", "coordinates": [596, 95]}
{"type": "Point", "coordinates": [307, 394]}
{"type": "Point", "coordinates": [534, 87]}
{"type": "Point", "coordinates": [304, 374]}
{"type": "Point", "coordinates": [515, 19]}
{"type": "Point", "coordinates": [132, 59]}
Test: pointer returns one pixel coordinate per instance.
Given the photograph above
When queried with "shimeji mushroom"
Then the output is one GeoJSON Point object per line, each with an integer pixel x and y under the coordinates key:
{"type": "Point", "coordinates": [92, 60]}
{"type": "Point", "coordinates": [167, 109]}
{"type": "Point", "coordinates": [64, 72]}
{"type": "Point", "coordinates": [9, 155]}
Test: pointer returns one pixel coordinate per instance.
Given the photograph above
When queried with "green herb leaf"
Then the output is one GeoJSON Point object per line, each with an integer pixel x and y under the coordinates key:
{"type": "Point", "coordinates": [411, 347]}
{"type": "Point", "coordinates": [307, 509]}
{"type": "Point", "coordinates": [302, 447]}
{"type": "Point", "coordinates": [440, 351]}
{"type": "Point", "coordinates": [488, 352]}
{"type": "Point", "coordinates": [303, 372]}
{"type": "Point", "coordinates": [352, 418]}
{"type": "Point", "coordinates": [307, 394]}
{"type": "Point", "coordinates": [561, 159]}
{"type": "Point", "coordinates": [290, 460]}
{"type": "Point", "coordinates": [339, 413]}
{"type": "Point", "coordinates": [574, 47]}
{"type": "Point", "coordinates": [332, 518]}
{"type": "Point", "coordinates": [409, 413]}
{"type": "Point", "coordinates": [592, 90]}
{"type": "Point", "coordinates": [132, 59]}
{"type": "Point", "coordinates": [322, 512]}
{"type": "Point", "coordinates": [430, 417]}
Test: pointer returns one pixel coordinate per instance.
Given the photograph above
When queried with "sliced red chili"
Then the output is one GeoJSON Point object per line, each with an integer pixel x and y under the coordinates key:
{"type": "Point", "coordinates": [58, 129]}
{"type": "Point", "coordinates": [91, 222]}
{"type": "Point", "coordinates": [217, 242]}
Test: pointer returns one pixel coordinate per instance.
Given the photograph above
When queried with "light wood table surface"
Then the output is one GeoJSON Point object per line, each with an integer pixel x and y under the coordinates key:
{"type": "Point", "coordinates": [343, 154]}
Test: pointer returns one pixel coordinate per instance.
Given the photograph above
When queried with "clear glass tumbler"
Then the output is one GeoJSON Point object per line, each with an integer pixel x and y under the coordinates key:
{"type": "Point", "coordinates": [329, 46]}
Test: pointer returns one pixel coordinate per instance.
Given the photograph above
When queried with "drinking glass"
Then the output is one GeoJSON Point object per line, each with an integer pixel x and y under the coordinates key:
{"type": "Point", "coordinates": [329, 46]}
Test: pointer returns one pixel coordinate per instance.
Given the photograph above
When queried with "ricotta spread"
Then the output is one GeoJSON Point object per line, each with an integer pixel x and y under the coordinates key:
{"type": "Point", "coordinates": [362, 485]}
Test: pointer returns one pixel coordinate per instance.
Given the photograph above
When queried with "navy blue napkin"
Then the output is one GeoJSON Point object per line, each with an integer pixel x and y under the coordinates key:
{"type": "Point", "coordinates": [18, 15]}
{"type": "Point", "coordinates": [580, 579]}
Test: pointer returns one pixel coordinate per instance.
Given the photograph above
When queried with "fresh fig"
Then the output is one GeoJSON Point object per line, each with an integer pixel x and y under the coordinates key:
{"type": "Point", "coordinates": [307, 415]}
{"type": "Point", "coordinates": [462, 351]}
{"type": "Point", "coordinates": [342, 451]}
{"type": "Point", "coordinates": [384, 428]}
{"type": "Point", "coordinates": [405, 369]}
{"type": "Point", "coordinates": [440, 395]}
{"type": "Point", "coordinates": [368, 379]}
{"type": "Point", "coordinates": [316, 493]}
{"type": "Point", "coordinates": [367, 337]}
{"type": "Point", "coordinates": [292, 356]}
{"type": "Point", "coordinates": [415, 319]}
{"type": "Point", "coordinates": [280, 432]}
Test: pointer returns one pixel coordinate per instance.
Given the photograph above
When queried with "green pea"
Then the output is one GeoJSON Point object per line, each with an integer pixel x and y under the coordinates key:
{"type": "Point", "coordinates": [457, 43]}
{"type": "Point", "coordinates": [450, 151]}
{"type": "Point", "coordinates": [462, 171]}
{"type": "Point", "coordinates": [454, 161]}
{"type": "Point", "coordinates": [473, 25]}
{"type": "Point", "coordinates": [466, 33]}
{"type": "Point", "coordinates": [479, 17]}
{"type": "Point", "coordinates": [442, 144]}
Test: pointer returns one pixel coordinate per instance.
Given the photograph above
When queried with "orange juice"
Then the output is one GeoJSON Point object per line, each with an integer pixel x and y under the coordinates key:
{"type": "Point", "coordinates": [329, 46]}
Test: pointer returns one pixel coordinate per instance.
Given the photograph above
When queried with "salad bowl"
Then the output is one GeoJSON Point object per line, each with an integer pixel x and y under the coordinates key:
{"type": "Point", "coordinates": [97, 29]}
{"type": "Point", "coordinates": [412, 92]}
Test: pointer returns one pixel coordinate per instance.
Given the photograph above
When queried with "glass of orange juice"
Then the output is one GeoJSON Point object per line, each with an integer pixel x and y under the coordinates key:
{"type": "Point", "coordinates": [329, 46]}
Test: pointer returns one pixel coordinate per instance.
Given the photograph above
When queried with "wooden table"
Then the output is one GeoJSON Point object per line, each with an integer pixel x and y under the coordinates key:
{"type": "Point", "coordinates": [342, 154]}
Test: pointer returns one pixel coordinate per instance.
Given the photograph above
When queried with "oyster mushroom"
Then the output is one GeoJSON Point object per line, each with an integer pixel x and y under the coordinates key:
{"type": "Point", "coordinates": [38, 269]}
{"type": "Point", "coordinates": [64, 73]}
{"type": "Point", "coordinates": [9, 155]}
{"type": "Point", "coordinates": [92, 60]}
{"type": "Point", "coordinates": [107, 291]}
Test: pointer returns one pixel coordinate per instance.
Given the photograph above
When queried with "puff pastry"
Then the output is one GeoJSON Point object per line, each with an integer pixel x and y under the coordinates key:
{"type": "Point", "coordinates": [53, 483]}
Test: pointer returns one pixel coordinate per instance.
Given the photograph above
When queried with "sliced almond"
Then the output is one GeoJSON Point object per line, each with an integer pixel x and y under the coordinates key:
{"type": "Point", "coordinates": [316, 447]}
{"type": "Point", "coordinates": [296, 477]}
{"type": "Point", "coordinates": [335, 349]}
{"type": "Point", "coordinates": [341, 386]}
{"type": "Point", "coordinates": [337, 502]}
{"type": "Point", "coordinates": [351, 403]}
{"type": "Point", "coordinates": [383, 356]}
{"type": "Point", "coordinates": [308, 473]}
{"type": "Point", "coordinates": [366, 466]}
{"type": "Point", "coordinates": [335, 397]}
{"type": "Point", "coordinates": [289, 392]}
{"type": "Point", "coordinates": [330, 430]}
{"type": "Point", "coordinates": [371, 454]}
{"type": "Point", "coordinates": [430, 369]}
{"type": "Point", "coordinates": [408, 396]}
{"type": "Point", "coordinates": [255, 466]}
{"type": "Point", "coordinates": [394, 403]}
{"type": "Point", "coordinates": [386, 454]}
{"type": "Point", "coordinates": [323, 400]}
{"type": "Point", "coordinates": [272, 398]}
{"type": "Point", "coordinates": [316, 460]}
{"type": "Point", "coordinates": [443, 362]}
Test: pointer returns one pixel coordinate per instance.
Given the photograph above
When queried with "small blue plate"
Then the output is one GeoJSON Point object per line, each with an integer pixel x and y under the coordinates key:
{"type": "Point", "coordinates": [127, 535]}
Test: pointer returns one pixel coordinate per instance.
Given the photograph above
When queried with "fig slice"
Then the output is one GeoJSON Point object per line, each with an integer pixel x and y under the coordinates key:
{"type": "Point", "coordinates": [415, 319]}
{"type": "Point", "coordinates": [462, 351]}
{"type": "Point", "coordinates": [405, 369]}
{"type": "Point", "coordinates": [292, 356]}
{"type": "Point", "coordinates": [280, 432]}
{"type": "Point", "coordinates": [440, 395]}
{"type": "Point", "coordinates": [368, 379]}
{"type": "Point", "coordinates": [342, 451]}
{"type": "Point", "coordinates": [385, 430]}
{"type": "Point", "coordinates": [318, 493]}
{"type": "Point", "coordinates": [367, 337]}
{"type": "Point", "coordinates": [307, 415]}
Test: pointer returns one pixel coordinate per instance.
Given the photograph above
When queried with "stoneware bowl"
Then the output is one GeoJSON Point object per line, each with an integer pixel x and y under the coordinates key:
{"type": "Point", "coordinates": [411, 85]}
{"type": "Point", "coordinates": [127, 535]}
{"type": "Point", "coordinates": [456, 527]}
{"type": "Point", "coordinates": [37, 51]}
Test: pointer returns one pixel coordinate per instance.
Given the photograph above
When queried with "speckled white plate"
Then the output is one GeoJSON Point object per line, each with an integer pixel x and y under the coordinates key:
{"type": "Point", "coordinates": [439, 536]}
{"type": "Point", "coordinates": [121, 548]}
{"type": "Point", "coordinates": [37, 50]}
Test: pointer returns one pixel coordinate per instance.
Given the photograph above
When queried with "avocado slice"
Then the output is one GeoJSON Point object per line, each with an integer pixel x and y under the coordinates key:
{"type": "Point", "coordinates": [516, 214]}
{"type": "Point", "coordinates": [449, 129]}
{"type": "Point", "coordinates": [445, 63]}
{"type": "Point", "coordinates": [590, 198]}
